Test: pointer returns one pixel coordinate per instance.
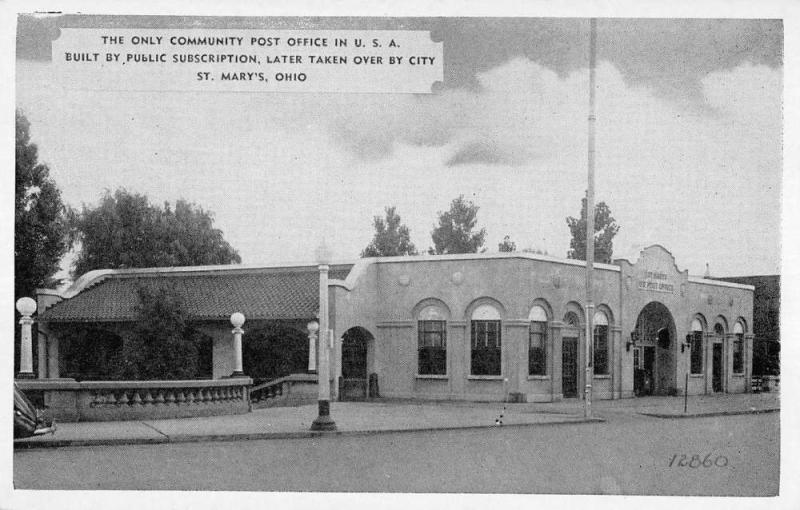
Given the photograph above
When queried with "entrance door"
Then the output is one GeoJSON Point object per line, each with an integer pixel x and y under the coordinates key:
{"type": "Point", "coordinates": [716, 369]}
{"type": "Point", "coordinates": [643, 373]}
{"type": "Point", "coordinates": [353, 385]}
{"type": "Point", "coordinates": [569, 367]}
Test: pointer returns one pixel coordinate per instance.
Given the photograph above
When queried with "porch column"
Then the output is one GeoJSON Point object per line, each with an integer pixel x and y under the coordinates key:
{"type": "Point", "coordinates": [237, 320]}
{"type": "Point", "coordinates": [52, 357]}
{"type": "Point", "coordinates": [26, 307]}
{"type": "Point", "coordinates": [313, 328]}
{"type": "Point", "coordinates": [41, 350]}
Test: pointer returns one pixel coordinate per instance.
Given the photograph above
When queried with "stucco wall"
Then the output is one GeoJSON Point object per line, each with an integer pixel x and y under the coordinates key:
{"type": "Point", "coordinates": [387, 293]}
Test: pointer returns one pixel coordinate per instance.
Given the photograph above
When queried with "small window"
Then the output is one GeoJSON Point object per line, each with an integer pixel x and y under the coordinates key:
{"type": "Point", "coordinates": [696, 360]}
{"type": "Point", "coordinates": [485, 358]}
{"type": "Point", "coordinates": [600, 346]}
{"type": "Point", "coordinates": [637, 358]}
{"type": "Point", "coordinates": [432, 342]}
{"type": "Point", "coordinates": [738, 348]}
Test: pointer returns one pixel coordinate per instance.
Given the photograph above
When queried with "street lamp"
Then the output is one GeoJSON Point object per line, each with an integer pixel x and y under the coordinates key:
{"type": "Point", "coordinates": [323, 420]}
{"type": "Point", "coordinates": [312, 327]}
{"type": "Point", "coordinates": [237, 320]}
{"type": "Point", "coordinates": [26, 306]}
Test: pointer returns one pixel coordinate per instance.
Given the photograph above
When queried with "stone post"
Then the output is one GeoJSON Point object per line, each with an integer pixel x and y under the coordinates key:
{"type": "Point", "coordinates": [313, 327]}
{"type": "Point", "coordinates": [26, 307]}
{"type": "Point", "coordinates": [237, 320]}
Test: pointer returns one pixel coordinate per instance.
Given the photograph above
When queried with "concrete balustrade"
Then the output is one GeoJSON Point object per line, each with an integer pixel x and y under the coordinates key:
{"type": "Point", "coordinates": [70, 400]}
{"type": "Point", "coordinates": [292, 390]}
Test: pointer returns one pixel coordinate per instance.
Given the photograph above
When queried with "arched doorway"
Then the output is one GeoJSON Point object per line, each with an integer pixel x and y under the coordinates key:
{"type": "Point", "coordinates": [353, 384]}
{"type": "Point", "coordinates": [654, 354]}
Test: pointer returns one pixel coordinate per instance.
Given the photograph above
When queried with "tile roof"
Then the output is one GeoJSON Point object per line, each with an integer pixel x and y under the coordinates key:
{"type": "Point", "coordinates": [280, 293]}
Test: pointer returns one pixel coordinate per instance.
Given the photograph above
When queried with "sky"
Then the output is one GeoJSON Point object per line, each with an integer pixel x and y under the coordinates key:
{"type": "Point", "coordinates": [689, 139]}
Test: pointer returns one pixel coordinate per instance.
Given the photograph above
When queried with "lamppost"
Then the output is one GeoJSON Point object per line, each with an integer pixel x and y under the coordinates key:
{"type": "Point", "coordinates": [26, 306]}
{"type": "Point", "coordinates": [587, 399]}
{"type": "Point", "coordinates": [237, 320]}
{"type": "Point", "coordinates": [323, 420]}
{"type": "Point", "coordinates": [312, 327]}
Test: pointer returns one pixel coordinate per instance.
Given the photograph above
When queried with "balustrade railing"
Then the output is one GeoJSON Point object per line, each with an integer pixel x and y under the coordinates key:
{"type": "Point", "coordinates": [129, 400]}
{"type": "Point", "coordinates": [295, 389]}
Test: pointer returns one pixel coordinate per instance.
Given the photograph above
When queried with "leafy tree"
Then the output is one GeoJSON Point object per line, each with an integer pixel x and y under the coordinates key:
{"type": "Point", "coordinates": [164, 345]}
{"type": "Point", "coordinates": [455, 232]}
{"type": "Point", "coordinates": [605, 228]}
{"type": "Point", "coordinates": [125, 230]}
{"type": "Point", "coordinates": [507, 245]}
{"type": "Point", "coordinates": [40, 227]}
{"type": "Point", "coordinates": [391, 237]}
{"type": "Point", "coordinates": [273, 349]}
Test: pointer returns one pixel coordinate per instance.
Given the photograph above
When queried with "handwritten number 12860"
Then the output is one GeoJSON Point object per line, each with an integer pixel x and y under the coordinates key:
{"type": "Point", "coordinates": [695, 461]}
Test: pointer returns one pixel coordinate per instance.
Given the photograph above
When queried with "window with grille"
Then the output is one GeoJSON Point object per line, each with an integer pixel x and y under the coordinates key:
{"type": "Point", "coordinates": [537, 348]}
{"type": "Point", "coordinates": [486, 347]}
{"type": "Point", "coordinates": [601, 350]}
{"type": "Point", "coordinates": [738, 349]}
{"type": "Point", "coordinates": [432, 347]}
{"type": "Point", "coordinates": [696, 361]}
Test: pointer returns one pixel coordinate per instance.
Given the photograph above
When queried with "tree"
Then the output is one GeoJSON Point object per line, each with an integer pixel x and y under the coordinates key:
{"type": "Point", "coordinates": [125, 230]}
{"type": "Point", "coordinates": [507, 245]}
{"type": "Point", "coordinates": [605, 228]}
{"type": "Point", "coordinates": [391, 238]}
{"type": "Point", "coordinates": [454, 234]}
{"type": "Point", "coordinates": [164, 344]}
{"type": "Point", "coordinates": [40, 227]}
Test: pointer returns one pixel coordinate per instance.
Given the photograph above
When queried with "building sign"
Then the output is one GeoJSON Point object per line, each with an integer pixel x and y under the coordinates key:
{"type": "Point", "coordinates": [251, 60]}
{"type": "Point", "coordinates": [656, 281]}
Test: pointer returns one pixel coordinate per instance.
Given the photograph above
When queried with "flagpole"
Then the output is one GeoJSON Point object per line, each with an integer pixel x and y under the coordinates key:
{"type": "Point", "coordinates": [587, 401]}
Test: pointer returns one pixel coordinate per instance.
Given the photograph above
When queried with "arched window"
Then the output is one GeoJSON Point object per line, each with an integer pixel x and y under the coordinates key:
{"type": "Point", "coordinates": [571, 320]}
{"type": "Point", "coordinates": [600, 347]}
{"type": "Point", "coordinates": [432, 341]}
{"type": "Point", "coordinates": [738, 348]}
{"type": "Point", "coordinates": [486, 342]}
{"type": "Point", "coordinates": [537, 341]}
{"type": "Point", "coordinates": [696, 361]}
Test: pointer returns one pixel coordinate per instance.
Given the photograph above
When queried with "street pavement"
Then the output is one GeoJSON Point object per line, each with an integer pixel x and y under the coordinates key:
{"type": "Point", "coordinates": [385, 416]}
{"type": "Point", "coordinates": [628, 454]}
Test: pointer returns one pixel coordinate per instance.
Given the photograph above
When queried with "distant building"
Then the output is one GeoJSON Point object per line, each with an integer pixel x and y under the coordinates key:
{"type": "Point", "coordinates": [470, 327]}
{"type": "Point", "coordinates": [766, 321]}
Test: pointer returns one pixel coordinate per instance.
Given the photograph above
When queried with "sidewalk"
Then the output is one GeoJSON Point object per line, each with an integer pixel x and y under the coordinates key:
{"type": "Point", "coordinates": [385, 416]}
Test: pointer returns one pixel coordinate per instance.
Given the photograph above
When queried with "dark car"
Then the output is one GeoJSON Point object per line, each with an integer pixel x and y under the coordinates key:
{"type": "Point", "coordinates": [29, 421]}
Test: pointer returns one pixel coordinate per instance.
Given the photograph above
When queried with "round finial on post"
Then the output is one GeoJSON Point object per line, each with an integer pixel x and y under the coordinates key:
{"type": "Point", "coordinates": [323, 253]}
{"type": "Point", "coordinates": [237, 319]}
{"type": "Point", "coordinates": [312, 327]}
{"type": "Point", "coordinates": [26, 306]}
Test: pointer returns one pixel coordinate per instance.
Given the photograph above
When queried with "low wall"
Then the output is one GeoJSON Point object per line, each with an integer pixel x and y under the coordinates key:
{"type": "Point", "coordinates": [292, 390]}
{"type": "Point", "coordinates": [70, 400]}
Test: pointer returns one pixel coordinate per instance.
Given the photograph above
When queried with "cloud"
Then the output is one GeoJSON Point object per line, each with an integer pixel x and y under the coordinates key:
{"type": "Point", "coordinates": [279, 168]}
{"type": "Point", "coordinates": [486, 153]}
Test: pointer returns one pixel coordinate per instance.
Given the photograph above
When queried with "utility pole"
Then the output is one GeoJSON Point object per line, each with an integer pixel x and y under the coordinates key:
{"type": "Point", "coordinates": [587, 400]}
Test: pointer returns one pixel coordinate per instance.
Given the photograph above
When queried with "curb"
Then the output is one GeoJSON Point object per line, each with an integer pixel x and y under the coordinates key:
{"type": "Point", "coordinates": [707, 415]}
{"type": "Point", "coordinates": [260, 436]}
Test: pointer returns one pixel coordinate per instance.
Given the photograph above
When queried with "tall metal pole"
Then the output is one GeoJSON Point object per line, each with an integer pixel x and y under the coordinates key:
{"type": "Point", "coordinates": [323, 420]}
{"type": "Point", "coordinates": [587, 401]}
